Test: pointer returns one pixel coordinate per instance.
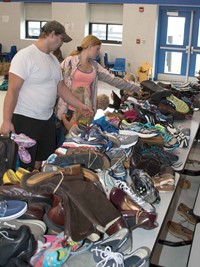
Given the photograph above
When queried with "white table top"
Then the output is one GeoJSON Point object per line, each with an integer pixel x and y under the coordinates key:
{"type": "Point", "coordinates": [196, 209]}
{"type": "Point", "coordinates": [147, 238]}
{"type": "Point", "coordinates": [194, 258]}
{"type": "Point", "coordinates": [193, 125]}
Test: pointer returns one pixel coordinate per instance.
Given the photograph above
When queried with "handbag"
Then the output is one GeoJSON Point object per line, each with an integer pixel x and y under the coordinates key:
{"type": "Point", "coordinates": [8, 154]}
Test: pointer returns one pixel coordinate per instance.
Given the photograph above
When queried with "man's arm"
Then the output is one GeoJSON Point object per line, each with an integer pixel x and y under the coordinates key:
{"type": "Point", "coordinates": [14, 85]}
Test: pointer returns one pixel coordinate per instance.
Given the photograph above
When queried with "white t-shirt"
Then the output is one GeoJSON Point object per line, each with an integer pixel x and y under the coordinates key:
{"type": "Point", "coordinates": [41, 73]}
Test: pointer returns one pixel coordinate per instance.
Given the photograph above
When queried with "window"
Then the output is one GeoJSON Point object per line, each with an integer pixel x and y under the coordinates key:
{"type": "Point", "coordinates": [33, 28]}
{"type": "Point", "coordinates": [107, 33]}
{"type": "Point", "coordinates": [36, 15]}
{"type": "Point", "coordinates": [106, 22]}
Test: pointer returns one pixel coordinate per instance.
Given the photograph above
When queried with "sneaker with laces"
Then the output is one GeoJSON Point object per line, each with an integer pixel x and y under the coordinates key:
{"type": "Point", "coordinates": [142, 130]}
{"type": "Point", "coordinates": [144, 185]}
{"type": "Point", "coordinates": [134, 196]}
{"type": "Point", "coordinates": [124, 141]}
{"type": "Point", "coordinates": [179, 104]}
{"type": "Point", "coordinates": [119, 173]}
{"type": "Point", "coordinates": [170, 141]}
{"type": "Point", "coordinates": [12, 209]}
{"type": "Point", "coordinates": [38, 228]}
{"type": "Point", "coordinates": [18, 243]}
{"type": "Point", "coordinates": [178, 134]}
{"type": "Point", "coordinates": [116, 156]}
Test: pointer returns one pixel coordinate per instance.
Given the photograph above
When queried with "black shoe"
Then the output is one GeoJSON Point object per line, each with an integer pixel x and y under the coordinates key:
{"type": "Point", "coordinates": [19, 244]}
{"type": "Point", "coordinates": [16, 262]}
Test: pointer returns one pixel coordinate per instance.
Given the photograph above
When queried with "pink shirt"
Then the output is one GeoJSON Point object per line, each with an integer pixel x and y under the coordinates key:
{"type": "Point", "coordinates": [84, 79]}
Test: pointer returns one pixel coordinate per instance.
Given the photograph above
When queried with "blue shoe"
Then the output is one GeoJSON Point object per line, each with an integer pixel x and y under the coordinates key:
{"type": "Point", "coordinates": [105, 125]}
{"type": "Point", "coordinates": [12, 209]}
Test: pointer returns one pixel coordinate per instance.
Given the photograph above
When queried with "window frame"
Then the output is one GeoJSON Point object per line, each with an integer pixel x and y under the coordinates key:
{"type": "Point", "coordinates": [27, 36]}
{"type": "Point", "coordinates": [107, 41]}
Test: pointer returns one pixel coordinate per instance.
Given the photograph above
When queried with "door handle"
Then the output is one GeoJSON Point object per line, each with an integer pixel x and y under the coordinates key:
{"type": "Point", "coordinates": [192, 50]}
{"type": "Point", "coordinates": [187, 49]}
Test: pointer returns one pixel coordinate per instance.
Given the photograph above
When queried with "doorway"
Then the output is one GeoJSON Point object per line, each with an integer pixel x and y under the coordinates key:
{"type": "Point", "coordinates": [178, 44]}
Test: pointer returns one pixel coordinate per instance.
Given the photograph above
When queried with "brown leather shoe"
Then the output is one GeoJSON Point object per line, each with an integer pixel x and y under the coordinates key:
{"type": "Point", "coordinates": [34, 212]}
{"type": "Point", "coordinates": [55, 216]}
{"type": "Point", "coordinates": [17, 192]}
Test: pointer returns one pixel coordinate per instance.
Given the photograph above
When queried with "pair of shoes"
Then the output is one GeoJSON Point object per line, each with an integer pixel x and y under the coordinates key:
{"type": "Point", "coordinates": [134, 215]}
{"type": "Point", "coordinates": [19, 244]}
{"type": "Point", "coordinates": [38, 228]}
{"type": "Point", "coordinates": [23, 141]}
{"type": "Point", "coordinates": [12, 209]}
{"type": "Point", "coordinates": [103, 254]}
{"type": "Point", "coordinates": [14, 177]}
{"type": "Point", "coordinates": [187, 213]}
{"type": "Point", "coordinates": [180, 231]}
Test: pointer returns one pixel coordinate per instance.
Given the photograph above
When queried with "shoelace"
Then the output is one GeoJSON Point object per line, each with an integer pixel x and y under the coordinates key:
{"type": "Point", "coordinates": [106, 255]}
{"type": "Point", "coordinates": [3, 208]}
{"type": "Point", "coordinates": [5, 235]}
{"type": "Point", "coordinates": [122, 185]}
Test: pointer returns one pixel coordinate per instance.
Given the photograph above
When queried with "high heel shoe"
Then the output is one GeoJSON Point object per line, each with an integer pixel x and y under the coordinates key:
{"type": "Point", "coordinates": [122, 201]}
{"type": "Point", "coordinates": [141, 219]}
{"type": "Point", "coordinates": [134, 215]}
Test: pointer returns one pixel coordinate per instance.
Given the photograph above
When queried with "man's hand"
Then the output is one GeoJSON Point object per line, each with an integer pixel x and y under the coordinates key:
{"type": "Point", "coordinates": [6, 128]}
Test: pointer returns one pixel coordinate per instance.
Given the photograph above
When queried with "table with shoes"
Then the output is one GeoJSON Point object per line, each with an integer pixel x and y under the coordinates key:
{"type": "Point", "coordinates": [103, 196]}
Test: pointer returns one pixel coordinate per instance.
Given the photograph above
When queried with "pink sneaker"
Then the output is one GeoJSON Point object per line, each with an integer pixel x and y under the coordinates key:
{"type": "Point", "coordinates": [23, 140]}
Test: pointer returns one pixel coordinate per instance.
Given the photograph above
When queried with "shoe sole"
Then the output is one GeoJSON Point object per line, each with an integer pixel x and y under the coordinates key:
{"type": "Point", "coordinates": [16, 215]}
{"type": "Point", "coordinates": [130, 132]}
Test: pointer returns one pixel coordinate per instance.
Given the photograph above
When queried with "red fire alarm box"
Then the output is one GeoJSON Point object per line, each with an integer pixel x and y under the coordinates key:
{"type": "Point", "coordinates": [137, 41]}
{"type": "Point", "coordinates": [141, 9]}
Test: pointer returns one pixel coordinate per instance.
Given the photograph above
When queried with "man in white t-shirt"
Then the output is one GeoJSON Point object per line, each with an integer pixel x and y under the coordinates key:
{"type": "Point", "coordinates": [35, 81]}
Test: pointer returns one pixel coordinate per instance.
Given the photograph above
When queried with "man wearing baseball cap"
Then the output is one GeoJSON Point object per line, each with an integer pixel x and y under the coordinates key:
{"type": "Point", "coordinates": [35, 81]}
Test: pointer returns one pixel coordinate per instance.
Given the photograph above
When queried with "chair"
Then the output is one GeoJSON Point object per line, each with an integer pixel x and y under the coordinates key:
{"type": "Point", "coordinates": [119, 66]}
{"type": "Point", "coordinates": [144, 72]}
{"type": "Point", "coordinates": [108, 64]}
{"type": "Point", "coordinates": [9, 55]}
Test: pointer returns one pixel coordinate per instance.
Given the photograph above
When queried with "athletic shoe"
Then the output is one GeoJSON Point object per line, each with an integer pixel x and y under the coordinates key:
{"type": "Point", "coordinates": [12, 209]}
{"type": "Point", "coordinates": [179, 135]}
{"type": "Point", "coordinates": [170, 141]}
{"type": "Point", "coordinates": [179, 104]}
{"type": "Point", "coordinates": [119, 173]}
{"type": "Point", "coordinates": [116, 156]}
{"type": "Point", "coordinates": [19, 244]}
{"type": "Point", "coordinates": [38, 228]}
{"type": "Point", "coordinates": [76, 142]}
{"type": "Point", "coordinates": [137, 128]}
{"type": "Point", "coordinates": [124, 141]}
{"type": "Point", "coordinates": [134, 196]}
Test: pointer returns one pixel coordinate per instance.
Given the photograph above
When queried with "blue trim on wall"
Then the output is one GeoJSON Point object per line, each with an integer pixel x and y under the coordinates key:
{"type": "Point", "coordinates": [160, 2]}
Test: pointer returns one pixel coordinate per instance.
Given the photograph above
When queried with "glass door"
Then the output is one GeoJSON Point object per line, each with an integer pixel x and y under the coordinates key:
{"type": "Point", "coordinates": [178, 46]}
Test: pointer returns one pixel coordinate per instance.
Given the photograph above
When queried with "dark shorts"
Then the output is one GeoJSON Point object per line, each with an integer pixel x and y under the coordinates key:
{"type": "Point", "coordinates": [43, 131]}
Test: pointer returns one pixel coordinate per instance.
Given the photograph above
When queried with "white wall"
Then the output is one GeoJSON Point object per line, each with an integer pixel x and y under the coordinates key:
{"type": "Point", "coordinates": [135, 25]}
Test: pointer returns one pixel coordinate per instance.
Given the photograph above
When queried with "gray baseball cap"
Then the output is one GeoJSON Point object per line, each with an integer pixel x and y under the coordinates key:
{"type": "Point", "coordinates": [56, 26]}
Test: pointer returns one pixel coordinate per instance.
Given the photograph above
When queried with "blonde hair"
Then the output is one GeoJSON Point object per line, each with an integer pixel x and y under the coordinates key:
{"type": "Point", "coordinates": [102, 101]}
{"type": "Point", "coordinates": [86, 42]}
